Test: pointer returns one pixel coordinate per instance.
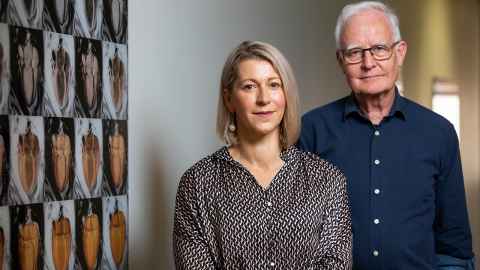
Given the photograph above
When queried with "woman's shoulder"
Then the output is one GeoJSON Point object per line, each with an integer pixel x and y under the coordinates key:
{"type": "Point", "coordinates": [206, 168]}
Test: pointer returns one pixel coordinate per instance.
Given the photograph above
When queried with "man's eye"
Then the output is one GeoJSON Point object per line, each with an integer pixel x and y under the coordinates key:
{"type": "Point", "coordinates": [379, 49]}
{"type": "Point", "coordinates": [354, 52]}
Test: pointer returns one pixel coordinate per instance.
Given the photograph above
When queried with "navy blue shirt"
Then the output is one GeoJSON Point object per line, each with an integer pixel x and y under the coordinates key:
{"type": "Point", "coordinates": [405, 182]}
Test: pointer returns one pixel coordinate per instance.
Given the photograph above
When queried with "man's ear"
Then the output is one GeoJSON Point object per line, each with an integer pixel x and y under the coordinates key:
{"type": "Point", "coordinates": [340, 60]}
{"type": "Point", "coordinates": [401, 51]}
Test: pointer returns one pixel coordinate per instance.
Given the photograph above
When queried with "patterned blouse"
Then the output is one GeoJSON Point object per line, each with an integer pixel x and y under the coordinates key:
{"type": "Point", "coordinates": [225, 220]}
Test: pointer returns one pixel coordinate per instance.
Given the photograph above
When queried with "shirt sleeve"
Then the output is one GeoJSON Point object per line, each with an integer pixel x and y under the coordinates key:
{"type": "Point", "coordinates": [307, 140]}
{"type": "Point", "coordinates": [445, 262]}
{"type": "Point", "coordinates": [190, 247]}
{"type": "Point", "coordinates": [336, 235]}
{"type": "Point", "coordinates": [451, 227]}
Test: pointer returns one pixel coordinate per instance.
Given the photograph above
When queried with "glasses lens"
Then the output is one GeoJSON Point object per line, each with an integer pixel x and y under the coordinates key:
{"type": "Point", "coordinates": [353, 55]}
{"type": "Point", "coordinates": [381, 52]}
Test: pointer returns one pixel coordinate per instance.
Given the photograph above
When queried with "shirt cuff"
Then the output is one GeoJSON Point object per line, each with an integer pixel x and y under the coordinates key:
{"type": "Point", "coordinates": [445, 262]}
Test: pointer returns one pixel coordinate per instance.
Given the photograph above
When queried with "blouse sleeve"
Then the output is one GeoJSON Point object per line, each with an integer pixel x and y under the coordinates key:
{"type": "Point", "coordinates": [190, 247]}
{"type": "Point", "coordinates": [336, 235]}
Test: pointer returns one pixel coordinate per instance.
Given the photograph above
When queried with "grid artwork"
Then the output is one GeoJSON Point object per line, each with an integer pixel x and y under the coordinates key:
{"type": "Point", "coordinates": [63, 134]}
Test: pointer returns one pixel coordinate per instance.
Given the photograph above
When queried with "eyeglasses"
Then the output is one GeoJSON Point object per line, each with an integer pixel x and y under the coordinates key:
{"type": "Point", "coordinates": [378, 52]}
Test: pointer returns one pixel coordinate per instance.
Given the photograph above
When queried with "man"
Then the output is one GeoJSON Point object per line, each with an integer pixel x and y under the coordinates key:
{"type": "Point", "coordinates": [401, 160]}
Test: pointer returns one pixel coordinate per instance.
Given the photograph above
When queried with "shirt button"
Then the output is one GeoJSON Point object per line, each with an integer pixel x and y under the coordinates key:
{"type": "Point", "coordinates": [376, 191]}
{"type": "Point", "coordinates": [375, 253]}
{"type": "Point", "coordinates": [376, 161]}
{"type": "Point", "coordinates": [376, 221]}
{"type": "Point", "coordinates": [272, 264]}
{"type": "Point", "coordinates": [377, 133]}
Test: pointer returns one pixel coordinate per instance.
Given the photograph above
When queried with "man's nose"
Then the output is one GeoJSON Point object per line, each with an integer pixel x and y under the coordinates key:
{"type": "Point", "coordinates": [368, 62]}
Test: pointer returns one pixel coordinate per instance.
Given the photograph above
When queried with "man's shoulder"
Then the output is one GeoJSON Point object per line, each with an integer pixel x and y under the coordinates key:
{"type": "Point", "coordinates": [329, 110]}
{"type": "Point", "coordinates": [317, 166]}
{"type": "Point", "coordinates": [425, 116]}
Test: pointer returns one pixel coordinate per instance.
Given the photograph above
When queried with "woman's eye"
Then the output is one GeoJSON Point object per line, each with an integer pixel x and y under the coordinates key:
{"type": "Point", "coordinates": [275, 85]}
{"type": "Point", "coordinates": [248, 86]}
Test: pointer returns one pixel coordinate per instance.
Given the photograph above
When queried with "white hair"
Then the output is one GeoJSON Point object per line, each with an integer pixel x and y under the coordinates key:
{"type": "Point", "coordinates": [352, 9]}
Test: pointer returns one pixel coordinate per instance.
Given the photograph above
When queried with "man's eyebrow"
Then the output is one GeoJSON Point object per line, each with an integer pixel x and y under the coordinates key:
{"type": "Point", "coordinates": [352, 46]}
{"type": "Point", "coordinates": [355, 46]}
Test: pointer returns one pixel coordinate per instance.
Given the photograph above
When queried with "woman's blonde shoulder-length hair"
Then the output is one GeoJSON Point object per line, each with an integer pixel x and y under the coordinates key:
{"type": "Point", "coordinates": [290, 125]}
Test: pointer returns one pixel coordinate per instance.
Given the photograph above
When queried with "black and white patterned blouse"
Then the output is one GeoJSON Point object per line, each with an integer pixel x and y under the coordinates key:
{"type": "Point", "coordinates": [225, 220]}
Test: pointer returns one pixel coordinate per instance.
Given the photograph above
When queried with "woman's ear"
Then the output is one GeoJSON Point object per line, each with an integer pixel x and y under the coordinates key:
{"type": "Point", "coordinates": [227, 100]}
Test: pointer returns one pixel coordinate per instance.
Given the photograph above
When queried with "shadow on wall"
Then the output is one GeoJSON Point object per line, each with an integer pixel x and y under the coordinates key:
{"type": "Point", "coordinates": [155, 249]}
{"type": "Point", "coordinates": [161, 216]}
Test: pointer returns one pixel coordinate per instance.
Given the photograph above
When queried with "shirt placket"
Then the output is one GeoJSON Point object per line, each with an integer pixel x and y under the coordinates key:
{"type": "Point", "coordinates": [377, 160]}
{"type": "Point", "coordinates": [269, 207]}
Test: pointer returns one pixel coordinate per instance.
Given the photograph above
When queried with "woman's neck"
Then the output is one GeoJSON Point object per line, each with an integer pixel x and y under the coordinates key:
{"type": "Point", "coordinates": [261, 157]}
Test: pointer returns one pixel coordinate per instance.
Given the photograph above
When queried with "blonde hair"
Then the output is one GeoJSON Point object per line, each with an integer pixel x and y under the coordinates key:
{"type": "Point", "coordinates": [290, 125]}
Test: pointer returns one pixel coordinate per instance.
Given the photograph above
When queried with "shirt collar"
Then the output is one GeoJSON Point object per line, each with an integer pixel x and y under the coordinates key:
{"type": "Point", "coordinates": [398, 107]}
{"type": "Point", "coordinates": [286, 155]}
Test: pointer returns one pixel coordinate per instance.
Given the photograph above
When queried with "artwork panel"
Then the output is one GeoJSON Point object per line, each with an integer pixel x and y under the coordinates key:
{"type": "Point", "coordinates": [26, 159]}
{"type": "Point", "coordinates": [58, 16]}
{"type": "Point", "coordinates": [4, 158]}
{"type": "Point", "coordinates": [89, 220]}
{"type": "Point", "coordinates": [88, 158]}
{"type": "Point", "coordinates": [115, 81]}
{"type": "Point", "coordinates": [25, 13]}
{"type": "Point", "coordinates": [115, 152]}
{"type": "Point", "coordinates": [4, 67]}
{"type": "Point", "coordinates": [59, 69]}
{"type": "Point", "coordinates": [115, 20]}
{"type": "Point", "coordinates": [88, 84]}
{"type": "Point", "coordinates": [3, 11]}
{"type": "Point", "coordinates": [26, 62]}
{"type": "Point", "coordinates": [88, 18]}
{"type": "Point", "coordinates": [115, 237]}
{"type": "Point", "coordinates": [27, 238]}
{"type": "Point", "coordinates": [5, 234]}
{"type": "Point", "coordinates": [59, 235]}
{"type": "Point", "coordinates": [59, 158]}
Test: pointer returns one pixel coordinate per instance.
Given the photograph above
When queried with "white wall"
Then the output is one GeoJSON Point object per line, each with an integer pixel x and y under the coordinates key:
{"type": "Point", "coordinates": [176, 52]}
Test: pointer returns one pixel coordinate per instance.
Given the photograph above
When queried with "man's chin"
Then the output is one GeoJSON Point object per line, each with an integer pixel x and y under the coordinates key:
{"type": "Point", "coordinates": [371, 91]}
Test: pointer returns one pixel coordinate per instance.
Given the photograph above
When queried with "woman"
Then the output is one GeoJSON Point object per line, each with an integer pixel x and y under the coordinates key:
{"type": "Point", "coordinates": [259, 202]}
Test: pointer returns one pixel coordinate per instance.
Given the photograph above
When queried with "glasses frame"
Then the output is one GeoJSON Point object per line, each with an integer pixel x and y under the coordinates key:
{"type": "Point", "coordinates": [342, 53]}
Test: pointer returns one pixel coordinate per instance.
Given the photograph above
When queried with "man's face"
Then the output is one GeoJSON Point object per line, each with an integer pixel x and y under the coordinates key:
{"type": "Point", "coordinates": [370, 76]}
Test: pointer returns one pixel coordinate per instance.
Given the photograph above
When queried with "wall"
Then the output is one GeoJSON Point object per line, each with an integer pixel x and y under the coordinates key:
{"type": "Point", "coordinates": [177, 49]}
{"type": "Point", "coordinates": [443, 39]}
{"type": "Point", "coordinates": [176, 54]}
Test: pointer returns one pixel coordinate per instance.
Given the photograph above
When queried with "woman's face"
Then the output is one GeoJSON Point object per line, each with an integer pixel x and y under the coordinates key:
{"type": "Point", "coordinates": [257, 99]}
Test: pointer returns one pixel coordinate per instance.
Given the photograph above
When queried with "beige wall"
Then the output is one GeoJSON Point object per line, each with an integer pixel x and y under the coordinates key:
{"type": "Point", "coordinates": [443, 38]}
{"type": "Point", "coordinates": [176, 51]}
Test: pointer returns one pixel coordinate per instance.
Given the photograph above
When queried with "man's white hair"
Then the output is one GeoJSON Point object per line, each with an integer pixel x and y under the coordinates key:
{"type": "Point", "coordinates": [352, 9]}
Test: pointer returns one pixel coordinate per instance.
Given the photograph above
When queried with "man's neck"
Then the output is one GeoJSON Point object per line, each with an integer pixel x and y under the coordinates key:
{"type": "Point", "coordinates": [376, 107]}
